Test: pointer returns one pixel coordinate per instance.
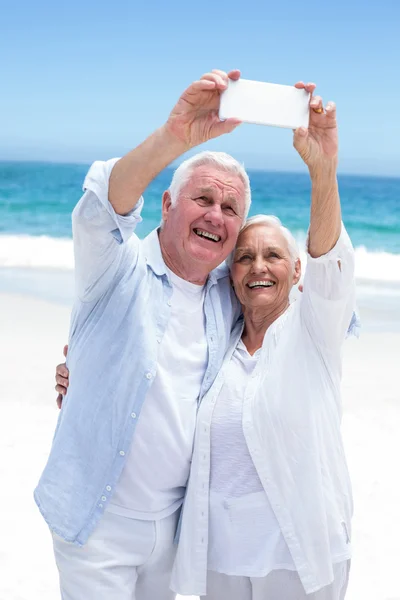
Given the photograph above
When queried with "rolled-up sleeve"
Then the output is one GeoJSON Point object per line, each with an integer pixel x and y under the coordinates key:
{"type": "Point", "coordinates": [102, 238]}
{"type": "Point", "coordinates": [328, 302]}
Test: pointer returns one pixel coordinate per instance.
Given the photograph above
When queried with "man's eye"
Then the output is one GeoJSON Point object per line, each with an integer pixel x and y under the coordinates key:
{"type": "Point", "coordinates": [202, 200]}
{"type": "Point", "coordinates": [273, 255]}
{"type": "Point", "coordinates": [230, 210]}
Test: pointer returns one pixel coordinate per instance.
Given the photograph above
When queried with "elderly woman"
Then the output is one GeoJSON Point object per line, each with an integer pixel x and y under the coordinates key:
{"type": "Point", "coordinates": [268, 508]}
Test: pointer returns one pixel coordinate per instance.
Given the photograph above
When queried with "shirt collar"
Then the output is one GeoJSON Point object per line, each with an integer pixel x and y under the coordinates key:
{"type": "Point", "coordinates": [152, 252]}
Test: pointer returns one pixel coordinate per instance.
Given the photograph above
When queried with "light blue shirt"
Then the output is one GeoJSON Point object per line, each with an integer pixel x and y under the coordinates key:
{"type": "Point", "coordinates": [119, 317]}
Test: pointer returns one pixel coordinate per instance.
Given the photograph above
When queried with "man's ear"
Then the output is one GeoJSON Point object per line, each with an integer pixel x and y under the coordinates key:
{"type": "Point", "coordinates": [297, 271]}
{"type": "Point", "coordinates": [166, 205]}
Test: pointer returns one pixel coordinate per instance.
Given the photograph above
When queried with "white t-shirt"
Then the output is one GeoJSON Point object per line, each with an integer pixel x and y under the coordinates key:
{"type": "Point", "coordinates": [153, 482]}
{"type": "Point", "coordinates": [244, 534]}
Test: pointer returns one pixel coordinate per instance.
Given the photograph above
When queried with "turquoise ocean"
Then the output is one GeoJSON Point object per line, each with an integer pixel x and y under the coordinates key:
{"type": "Point", "coordinates": [36, 201]}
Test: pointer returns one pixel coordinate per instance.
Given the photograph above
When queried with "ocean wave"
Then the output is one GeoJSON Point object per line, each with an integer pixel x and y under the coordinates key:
{"type": "Point", "coordinates": [36, 252]}
{"type": "Point", "coordinates": [45, 252]}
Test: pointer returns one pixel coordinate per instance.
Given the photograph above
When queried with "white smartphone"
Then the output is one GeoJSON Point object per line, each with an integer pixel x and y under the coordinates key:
{"type": "Point", "coordinates": [265, 104]}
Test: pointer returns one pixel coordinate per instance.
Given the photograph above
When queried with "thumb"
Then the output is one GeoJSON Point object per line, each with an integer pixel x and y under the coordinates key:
{"type": "Point", "coordinates": [300, 140]}
{"type": "Point", "coordinates": [65, 351]}
{"type": "Point", "coordinates": [222, 127]}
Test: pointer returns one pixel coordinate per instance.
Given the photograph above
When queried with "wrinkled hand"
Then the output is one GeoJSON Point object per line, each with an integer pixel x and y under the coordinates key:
{"type": "Point", "coordinates": [62, 379]}
{"type": "Point", "coordinates": [194, 119]}
{"type": "Point", "coordinates": [318, 145]}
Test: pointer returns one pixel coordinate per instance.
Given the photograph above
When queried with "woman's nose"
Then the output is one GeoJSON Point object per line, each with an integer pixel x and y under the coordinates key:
{"type": "Point", "coordinates": [259, 265]}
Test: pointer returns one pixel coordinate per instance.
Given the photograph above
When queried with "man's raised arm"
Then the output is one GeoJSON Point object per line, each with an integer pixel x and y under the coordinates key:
{"type": "Point", "coordinates": [193, 120]}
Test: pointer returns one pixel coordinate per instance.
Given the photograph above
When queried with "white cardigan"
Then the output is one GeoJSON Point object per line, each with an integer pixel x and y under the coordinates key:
{"type": "Point", "coordinates": [291, 422]}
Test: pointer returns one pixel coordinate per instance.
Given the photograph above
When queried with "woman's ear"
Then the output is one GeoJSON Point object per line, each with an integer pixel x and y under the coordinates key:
{"type": "Point", "coordinates": [297, 271]}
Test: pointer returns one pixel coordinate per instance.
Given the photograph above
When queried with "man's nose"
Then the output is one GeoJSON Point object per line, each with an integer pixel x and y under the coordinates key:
{"type": "Point", "coordinates": [214, 215]}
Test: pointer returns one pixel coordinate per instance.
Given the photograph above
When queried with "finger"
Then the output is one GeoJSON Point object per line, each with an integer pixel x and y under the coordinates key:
{"type": "Point", "coordinates": [62, 381]}
{"type": "Point", "coordinates": [218, 80]}
{"type": "Point", "coordinates": [316, 104]}
{"type": "Point", "coordinates": [227, 126]}
{"type": "Point", "coordinates": [201, 85]}
{"type": "Point", "coordinates": [300, 141]}
{"type": "Point", "coordinates": [310, 87]}
{"type": "Point", "coordinates": [300, 287]}
{"type": "Point", "coordinates": [59, 400]}
{"type": "Point", "coordinates": [60, 390]}
{"type": "Point", "coordinates": [222, 74]}
{"type": "Point", "coordinates": [65, 351]}
{"type": "Point", "coordinates": [62, 370]}
{"type": "Point", "coordinates": [330, 110]}
{"type": "Point", "coordinates": [234, 74]}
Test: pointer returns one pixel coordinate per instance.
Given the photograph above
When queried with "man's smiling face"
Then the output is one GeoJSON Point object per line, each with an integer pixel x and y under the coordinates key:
{"type": "Point", "coordinates": [207, 215]}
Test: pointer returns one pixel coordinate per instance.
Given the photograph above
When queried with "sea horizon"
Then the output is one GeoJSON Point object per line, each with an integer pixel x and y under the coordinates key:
{"type": "Point", "coordinates": [300, 171]}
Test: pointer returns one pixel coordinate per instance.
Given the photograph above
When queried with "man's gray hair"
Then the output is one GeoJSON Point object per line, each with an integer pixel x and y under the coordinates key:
{"type": "Point", "coordinates": [222, 161]}
{"type": "Point", "coordinates": [270, 221]}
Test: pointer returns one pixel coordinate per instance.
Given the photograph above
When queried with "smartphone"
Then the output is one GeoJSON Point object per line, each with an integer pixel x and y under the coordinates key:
{"type": "Point", "coordinates": [265, 104]}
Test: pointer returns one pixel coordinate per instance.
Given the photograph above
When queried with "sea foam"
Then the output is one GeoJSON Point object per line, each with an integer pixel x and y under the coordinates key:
{"type": "Point", "coordinates": [44, 252]}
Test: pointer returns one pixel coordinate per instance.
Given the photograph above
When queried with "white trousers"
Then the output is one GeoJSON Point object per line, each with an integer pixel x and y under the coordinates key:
{"type": "Point", "coordinates": [124, 559]}
{"type": "Point", "coordinates": [278, 585]}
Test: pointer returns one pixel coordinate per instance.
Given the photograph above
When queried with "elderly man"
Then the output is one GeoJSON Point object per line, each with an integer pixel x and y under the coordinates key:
{"type": "Point", "coordinates": [149, 329]}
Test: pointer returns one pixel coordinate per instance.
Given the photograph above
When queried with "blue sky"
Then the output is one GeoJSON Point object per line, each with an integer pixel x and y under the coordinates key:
{"type": "Point", "coordinates": [87, 80]}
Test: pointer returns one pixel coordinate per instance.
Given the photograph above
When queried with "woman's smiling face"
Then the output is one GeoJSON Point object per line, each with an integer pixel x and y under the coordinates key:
{"type": "Point", "coordinates": [263, 271]}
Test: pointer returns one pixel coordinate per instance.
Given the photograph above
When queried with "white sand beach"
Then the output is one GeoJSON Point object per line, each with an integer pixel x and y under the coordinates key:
{"type": "Point", "coordinates": [32, 334]}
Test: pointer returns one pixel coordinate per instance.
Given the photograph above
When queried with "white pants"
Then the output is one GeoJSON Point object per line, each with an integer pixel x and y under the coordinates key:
{"type": "Point", "coordinates": [278, 585]}
{"type": "Point", "coordinates": [124, 559]}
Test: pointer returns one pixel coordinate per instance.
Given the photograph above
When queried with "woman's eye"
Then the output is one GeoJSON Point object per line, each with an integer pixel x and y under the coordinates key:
{"type": "Point", "coordinates": [244, 258]}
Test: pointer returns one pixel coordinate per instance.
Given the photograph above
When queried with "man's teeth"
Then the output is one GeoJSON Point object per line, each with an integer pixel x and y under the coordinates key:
{"type": "Point", "coordinates": [210, 236]}
{"type": "Point", "coordinates": [254, 284]}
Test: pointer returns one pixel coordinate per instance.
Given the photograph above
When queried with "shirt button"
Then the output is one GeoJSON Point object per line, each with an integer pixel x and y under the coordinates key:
{"type": "Point", "coordinates": [122, 453]}
{"type": "Point", "coordinates": [108, 488]}
{"type": "Point", "coordinates": [103, 498]}
{"type": "Point", "coordinates": [100, 506]}
{"type": "Point", "coordinates": [148, 375]}
{"type": "Point", "coordinates": [133, 415]}
{"type": "Point", "coordinates": [169, 302]}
